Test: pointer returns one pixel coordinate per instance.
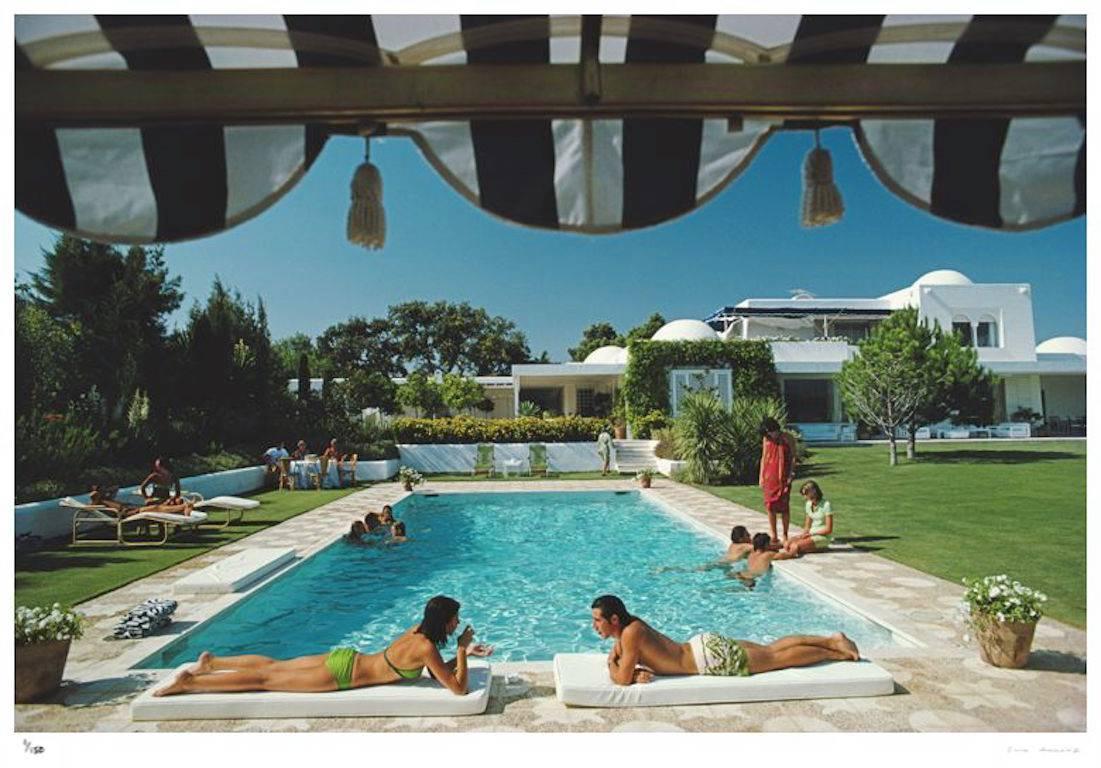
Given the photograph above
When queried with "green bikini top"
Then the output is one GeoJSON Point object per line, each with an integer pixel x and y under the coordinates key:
{"type": "Point", "coordinates": [405, 674]}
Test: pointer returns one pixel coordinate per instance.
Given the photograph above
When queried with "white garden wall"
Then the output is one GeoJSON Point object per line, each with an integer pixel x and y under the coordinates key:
{"type": "Point", "coordinates": [561, 457]}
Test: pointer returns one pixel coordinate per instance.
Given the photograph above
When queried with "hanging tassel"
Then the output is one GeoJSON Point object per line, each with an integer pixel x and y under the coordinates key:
{"type": "Point", "coordinates": [822, 204]}
{"type": "Point", "coordinates": [366, 217]}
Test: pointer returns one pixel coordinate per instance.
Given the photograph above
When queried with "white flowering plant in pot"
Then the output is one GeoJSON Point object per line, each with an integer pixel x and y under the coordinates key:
{"type": "Point", "coordinates": [410, 477]}
{"type": "Point", "coordinates": [1003, 614]}
{"type": "Point", "coordinates": [41, 624]}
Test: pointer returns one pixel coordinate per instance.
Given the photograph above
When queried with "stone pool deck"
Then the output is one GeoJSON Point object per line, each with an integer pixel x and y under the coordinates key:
{"type": "Point", "coordinates": [941, 685]}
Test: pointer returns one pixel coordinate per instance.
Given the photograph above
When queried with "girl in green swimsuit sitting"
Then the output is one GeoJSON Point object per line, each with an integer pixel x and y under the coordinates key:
{"type": "Point", "coordinates": [817, 532]}
{"type": "Point", "coordinates": [343, 668]}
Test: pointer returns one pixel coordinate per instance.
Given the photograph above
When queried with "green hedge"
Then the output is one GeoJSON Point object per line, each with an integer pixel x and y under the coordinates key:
{"type": "Point", "coordinates": [646, 383]}
{"type": "Point", "coordinates": [523, 429]}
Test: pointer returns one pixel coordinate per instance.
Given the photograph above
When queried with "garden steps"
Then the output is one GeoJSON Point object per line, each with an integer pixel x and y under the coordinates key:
{"type": "Point", "coordinates": [633, 455]}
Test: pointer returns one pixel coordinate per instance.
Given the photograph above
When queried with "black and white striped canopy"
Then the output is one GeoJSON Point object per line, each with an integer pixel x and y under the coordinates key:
{"type": "Point", "coordinates": [162, 182]}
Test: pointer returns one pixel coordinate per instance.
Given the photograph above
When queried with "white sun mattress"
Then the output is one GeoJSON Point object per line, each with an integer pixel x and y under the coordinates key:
{"type": "Point", "coordinates": [581, 680]}
{"type": "Point", "coordinates": [235, 572]}
{"type": "Point", "coordinates": [423, 698]}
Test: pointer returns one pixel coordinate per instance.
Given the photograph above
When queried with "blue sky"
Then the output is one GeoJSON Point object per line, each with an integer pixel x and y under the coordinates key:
{"type": "Point", "coordinates": [745, 243]}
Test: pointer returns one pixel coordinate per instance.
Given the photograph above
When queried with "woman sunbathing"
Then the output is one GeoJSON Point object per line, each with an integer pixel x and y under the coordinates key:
{"type": "Point", "coordinates": [343, 668]}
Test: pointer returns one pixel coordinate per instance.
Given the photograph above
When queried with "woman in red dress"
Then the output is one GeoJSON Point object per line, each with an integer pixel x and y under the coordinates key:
{"type": "Point", "coordinates": [777, 472]}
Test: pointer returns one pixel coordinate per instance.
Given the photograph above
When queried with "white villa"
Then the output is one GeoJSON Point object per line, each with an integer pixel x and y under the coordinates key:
{"type": "Point", "coordinates": [810, 339]}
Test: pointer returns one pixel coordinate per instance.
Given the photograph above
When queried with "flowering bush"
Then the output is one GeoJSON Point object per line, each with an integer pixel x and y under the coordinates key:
{"type": "Point", "coordinates": [410, 476]}
{"type": "Point", "coordinates": [41, 624]}
{"type": "Point", "coordinates": [996, 598]}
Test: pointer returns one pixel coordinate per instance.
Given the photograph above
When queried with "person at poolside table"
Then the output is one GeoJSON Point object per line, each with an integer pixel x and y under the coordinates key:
{"type": "Point", "coordinates": [817, 532]}
{"type": "Point", "coordinates": [640, 652]}
{"type": "Point", "coordinates": [161, 485]}
{"type": "Point", "coordinates": [604, 448]}
{"type": "Point", "coordinates": [273, 455]}
{"type": "Point", "coordinates": [331, 452]}
{"type": "Point", "coordinates": [343, 668]}
{"type": "Point", "coordinates": [760, 560]}
{"type": "Point", "coordinates": [300, 451]}
{"type": "Point", "coordinates": [777, 472]}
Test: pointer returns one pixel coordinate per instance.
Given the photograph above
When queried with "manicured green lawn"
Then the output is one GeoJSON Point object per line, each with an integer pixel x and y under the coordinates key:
{"type": "Point", "coordinates": [513, 476]}
{"type": "Point", "coordinates": [961, 510]}
{"type": "Point", "coordinates": [69, 575]}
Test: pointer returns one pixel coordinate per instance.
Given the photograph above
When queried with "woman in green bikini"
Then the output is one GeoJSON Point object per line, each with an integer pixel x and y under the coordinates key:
{"type": "Point", "coordinates": [343, 668]}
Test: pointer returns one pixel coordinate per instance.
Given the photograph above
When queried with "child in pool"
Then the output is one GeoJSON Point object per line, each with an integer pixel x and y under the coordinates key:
{"type": "Point", "coordinates": [760, 560]}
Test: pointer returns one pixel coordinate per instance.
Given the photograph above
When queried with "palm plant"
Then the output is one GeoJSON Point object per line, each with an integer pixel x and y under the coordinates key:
{"type": "Point", "coordinates": [702, 434]}
{"type": "Point", "coordinates": [746, 415]}
{"type": "Point", "coordinates": [527, 408]}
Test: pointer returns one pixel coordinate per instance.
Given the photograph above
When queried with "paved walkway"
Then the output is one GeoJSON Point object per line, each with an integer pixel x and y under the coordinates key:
{"type": "Point", "coordinates": [941, 685]}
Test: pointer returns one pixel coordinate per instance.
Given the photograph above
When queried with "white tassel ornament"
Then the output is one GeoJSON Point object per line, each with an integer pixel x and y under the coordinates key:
{"type": "Point", "coordinates": [366, 217]}
{"type": "Point", "coordinates": [822, 203]}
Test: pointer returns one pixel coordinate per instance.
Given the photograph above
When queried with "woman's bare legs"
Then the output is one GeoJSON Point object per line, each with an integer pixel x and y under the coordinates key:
{"type": "Point", "coordinates": [305, 674]}
{"type": "Point", "coordinates": [208, 662]}
{"type": "Point", "coordinates": [800, 546]}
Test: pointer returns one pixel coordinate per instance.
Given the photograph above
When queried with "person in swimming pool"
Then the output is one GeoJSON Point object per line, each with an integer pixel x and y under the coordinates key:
{"type": "Point", "coordinates": [760, 560]}
{"type": "Point", "coordinates": [342, 668]}
{"type": "Point", "coordinates": [397, 533]}
{"type": "Point", "coordinates": [374, 525]}
{"type": "Point", "coordinates": [741, 544]}
{"type": "Point", "coordinates": [640, 652]}
{"type": "Point", "coordinates": [356, 533]}
{"type": "Point", "coordinates": [386, 516]}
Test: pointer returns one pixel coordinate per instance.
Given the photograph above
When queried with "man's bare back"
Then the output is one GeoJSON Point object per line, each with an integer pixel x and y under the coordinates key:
{"type": "Point", "coordinates": [651, 649]}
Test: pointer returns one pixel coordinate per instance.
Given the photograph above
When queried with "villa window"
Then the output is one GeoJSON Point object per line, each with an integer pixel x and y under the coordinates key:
{"type": "Point", "coordinates": [585, 406]}
{"type": "Point", "coordinates": [986, 333]}
{"type": "Point", "coordinates": [962, 328]}
{"type": "Point", "coordinates": [683, 381]}
{"type": "Point", "coordinates": [808, 400]}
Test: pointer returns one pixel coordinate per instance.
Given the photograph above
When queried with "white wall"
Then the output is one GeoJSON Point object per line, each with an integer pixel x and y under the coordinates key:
{"type": "Point", "coordinates": [1009, 304]}
{"type": "Point", "coordinates": [561, 457]}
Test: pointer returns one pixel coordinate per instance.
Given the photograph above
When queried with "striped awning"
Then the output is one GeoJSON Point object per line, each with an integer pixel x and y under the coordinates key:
{"type": "Point", "coordinates": [176, 148]}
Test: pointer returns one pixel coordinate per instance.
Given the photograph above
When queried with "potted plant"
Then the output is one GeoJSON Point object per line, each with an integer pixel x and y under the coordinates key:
{"type": "Point", "coordinates": [619, 416]}
{"type": "Point", "coordinates": [42, 637]}
{"type": "Point", "coordinates": [644, 477]}
{"type": "Point", "coordinates": [1003, 615]}
{"type": "Point", "coordinates": [409, 477]}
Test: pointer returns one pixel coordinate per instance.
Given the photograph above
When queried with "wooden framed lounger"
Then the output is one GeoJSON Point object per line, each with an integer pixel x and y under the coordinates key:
{"type": "Point", "coordinates": [97, 514]}
{"type": "Point", "coordinates": [424, 698]}
{"type": "Point", "coordinates": [581, 680]}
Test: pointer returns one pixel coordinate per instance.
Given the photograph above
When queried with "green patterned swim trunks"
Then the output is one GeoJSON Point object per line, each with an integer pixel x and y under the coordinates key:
{"type": "Point", "coordinates": [718, 655]}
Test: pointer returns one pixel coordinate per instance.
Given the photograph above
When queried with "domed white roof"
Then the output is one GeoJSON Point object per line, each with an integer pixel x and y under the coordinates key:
{"type": "Point", "coordinates": [1067, 345]}
{"type": "Point", "coordinates": [685, 330]}
{"type": "Point", "coordinates": [607, 354]}
{"type": "Point", "coordinates": [943, 277]}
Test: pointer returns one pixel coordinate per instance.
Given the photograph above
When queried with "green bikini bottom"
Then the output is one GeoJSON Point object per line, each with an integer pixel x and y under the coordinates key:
{"type": "Point", "coordinates": [340, 663]}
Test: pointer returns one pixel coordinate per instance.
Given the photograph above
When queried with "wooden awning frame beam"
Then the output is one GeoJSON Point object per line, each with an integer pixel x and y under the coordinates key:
{"type": "Point", "coordinates": [345, 98]}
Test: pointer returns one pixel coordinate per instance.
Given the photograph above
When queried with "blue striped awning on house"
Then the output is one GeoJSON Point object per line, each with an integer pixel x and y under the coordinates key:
{"type": "Point", "coordinates": [163, 180]}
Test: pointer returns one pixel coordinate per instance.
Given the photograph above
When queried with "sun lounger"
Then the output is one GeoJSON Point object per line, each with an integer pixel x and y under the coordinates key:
{"type": "Point", "coordinates": [424, 698]}
{"type": "Point", "coordinates": [581, 680]}
{"type": "Point", "coordinates": [230, 505]}
{"type": "Point", "coordinates": [537, 459]}
{"type": "Point", "coordinates": [97, 514]}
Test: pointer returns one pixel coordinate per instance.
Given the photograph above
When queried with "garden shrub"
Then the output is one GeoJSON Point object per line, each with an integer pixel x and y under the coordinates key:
{"type": "Point", "coordinates": [646, 382]}
{"type": "Point", "coordinates": [703, 437]}
{"type": "Point", "coordinates": [523, 429]}
{"type": "Point", "coordinates": [643, 427]}
{"type": "Point", "coordinates": [666, 447]}
{"type": "Point", "coordinates": [744, 451]}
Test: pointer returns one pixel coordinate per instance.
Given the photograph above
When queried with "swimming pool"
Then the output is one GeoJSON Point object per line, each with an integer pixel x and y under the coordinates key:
{"type": "Point", "coordinates": [526, 567]}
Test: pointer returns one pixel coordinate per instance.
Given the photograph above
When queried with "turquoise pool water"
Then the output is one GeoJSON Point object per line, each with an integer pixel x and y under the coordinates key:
{"type": "Point", "coordinates": [526, 567]}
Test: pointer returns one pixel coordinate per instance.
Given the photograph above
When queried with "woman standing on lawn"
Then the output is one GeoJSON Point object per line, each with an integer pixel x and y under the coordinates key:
{"type": "Point", "coordinates": [817, 532]}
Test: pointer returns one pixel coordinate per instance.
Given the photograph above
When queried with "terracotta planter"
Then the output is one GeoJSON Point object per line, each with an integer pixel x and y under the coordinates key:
{"type": "Point", "coordinates": [620, 432]}
{"type": "Point", "coordinates": [407, 485]}
{"type": "Point", "coordinates": [38, 669]}
{"type": "Point", "coordinates": [1005, 645]}
{"type": "Point", "coordinates": [644, 482]}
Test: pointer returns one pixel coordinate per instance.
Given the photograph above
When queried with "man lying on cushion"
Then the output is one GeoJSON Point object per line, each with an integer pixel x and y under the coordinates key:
{"type": "Point", "coordinates": [640, 651]}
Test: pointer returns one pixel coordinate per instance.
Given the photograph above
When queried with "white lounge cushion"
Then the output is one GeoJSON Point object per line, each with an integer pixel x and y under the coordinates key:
{"type": "Point", "coordinates": [234, 572]}
{"type": "Point", "coordinates": [423, 698]}
{"type": "Point", "coordinates": [581, 680]}
{"type": "Point", "coordinates": [228, 502]}
{"type": "Point", "coordinates": [195, 518]}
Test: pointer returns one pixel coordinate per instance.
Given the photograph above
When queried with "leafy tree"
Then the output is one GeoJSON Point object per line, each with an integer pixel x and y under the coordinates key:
{"type": "Point", "coordinates": [965, 392]}
{"type": "Point", "coordinates": [120, 303]}
{"type": "Point", "coordinates": [287, 353]}
{"type": "Point", "coordinates": [360, 344]}
{"type": "Point", "coordinates": [893, 376]}
{"type": "Point", "coordinates": [370, 389]}
{"type": "Point", "coordinates": [304, 376]}
{"type": "Point", "coordinates": [461, 393]}
{"type": "Point", "coordinates": [455, 338]}
{"type": "Point", "coordinates": [44, 349]}
{"type": "Point", "coordinates": [595, 336]}
{"type": "Point", "coordinates": [422, 394]}
{"type": "Point", "coordinates": [646, 329]}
